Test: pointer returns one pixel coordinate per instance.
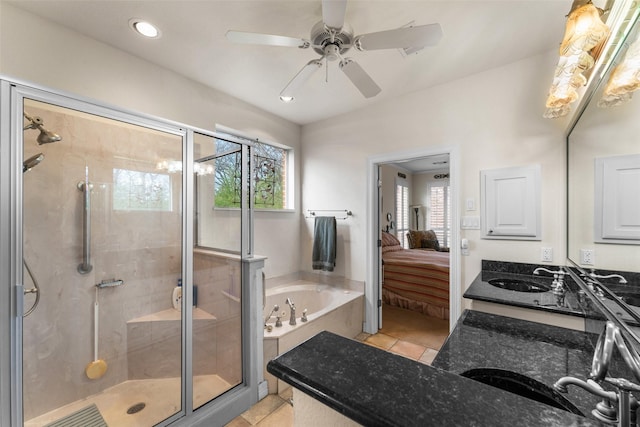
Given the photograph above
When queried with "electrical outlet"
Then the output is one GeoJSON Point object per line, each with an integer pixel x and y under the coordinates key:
{"type": "Point", "coordinates": [546, 254]}
{"type": "Point", "coordinates": [587, 257]}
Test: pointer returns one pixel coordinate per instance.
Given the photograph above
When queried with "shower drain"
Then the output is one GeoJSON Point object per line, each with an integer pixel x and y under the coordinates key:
{"type": "Point", "coordinates": [136, 408]}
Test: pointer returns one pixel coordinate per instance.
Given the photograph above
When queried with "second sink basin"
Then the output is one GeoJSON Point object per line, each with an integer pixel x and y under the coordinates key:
{"type": "Point", "coordinates": [519, 285]}
{"type": "Point", "coordinates": [523, 386]}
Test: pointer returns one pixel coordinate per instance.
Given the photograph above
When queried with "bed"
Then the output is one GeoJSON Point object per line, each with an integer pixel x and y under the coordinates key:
{"type": "Point", "coordinates": [415, 279]}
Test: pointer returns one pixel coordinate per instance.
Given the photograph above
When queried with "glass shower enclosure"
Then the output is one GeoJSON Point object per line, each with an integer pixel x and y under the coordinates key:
{"type": "Point", "coordinates": [130, 303]}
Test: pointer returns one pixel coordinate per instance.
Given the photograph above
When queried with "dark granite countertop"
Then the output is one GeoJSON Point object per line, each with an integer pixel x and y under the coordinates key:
{"type": "Point", "coordinates": [481, 290]}
{"type": "Point", "coordinates": [377, 388]}
{"type": "Point", "coordinates": [542, 352]}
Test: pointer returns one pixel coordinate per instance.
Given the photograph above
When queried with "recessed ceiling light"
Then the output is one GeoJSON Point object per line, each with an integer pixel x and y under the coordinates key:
{"type": "Point", "coordinates": [286, 98]}
{"type": "Point", "coordinates": [144, 28]}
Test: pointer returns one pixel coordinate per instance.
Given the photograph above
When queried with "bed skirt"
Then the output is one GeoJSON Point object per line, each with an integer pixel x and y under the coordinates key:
{"type": "Point", "coordinates": [393, 299]}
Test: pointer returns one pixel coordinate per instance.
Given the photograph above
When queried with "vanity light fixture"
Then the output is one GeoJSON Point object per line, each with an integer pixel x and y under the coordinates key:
{"type": "Point", "coordinates": [624, 79]}
{"type": "Point", "coordinates": [144, 28]}
{"type": "Point", "coordinates": [584, 31]}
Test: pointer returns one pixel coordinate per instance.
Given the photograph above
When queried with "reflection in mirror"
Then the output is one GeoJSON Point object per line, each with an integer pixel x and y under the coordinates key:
{"type": "Point", "coordinates": [604, 181]}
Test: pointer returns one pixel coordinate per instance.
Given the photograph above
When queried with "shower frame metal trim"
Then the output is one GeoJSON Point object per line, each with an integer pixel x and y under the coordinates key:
{"type": "Point", "coordinates": [10, 320]}
{"type": "Point", "coordinates": [12, 94]}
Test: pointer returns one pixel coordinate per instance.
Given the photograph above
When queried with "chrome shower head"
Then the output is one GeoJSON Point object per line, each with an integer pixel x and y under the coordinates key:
{"type": "Point", "coordinates": [46, 136]}
{"type": "Point", "coordinates": [32, 162]}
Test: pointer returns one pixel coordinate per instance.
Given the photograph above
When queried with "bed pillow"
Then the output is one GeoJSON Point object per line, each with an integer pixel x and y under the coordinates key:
{"type": "Point", "coordinates": [390, 243]}
{"type": "Point", "coordinates": [423, 240]}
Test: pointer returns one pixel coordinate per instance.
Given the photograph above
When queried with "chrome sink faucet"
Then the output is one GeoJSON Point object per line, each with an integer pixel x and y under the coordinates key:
{"type": "Point", "coordinates": [559, 273]}
{"type": "Point", "coordinates": [618, 407]}
{"type": "Point", "coordinates": [557, 286]}
{"type": "Point", "coordinates": [608, 276]}
{"type": "Point", "coordinates": [292, 306]}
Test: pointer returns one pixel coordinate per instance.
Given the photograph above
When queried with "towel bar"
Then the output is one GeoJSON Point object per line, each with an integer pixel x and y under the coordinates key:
{"type": "Point", "coordinates": [344, 213]}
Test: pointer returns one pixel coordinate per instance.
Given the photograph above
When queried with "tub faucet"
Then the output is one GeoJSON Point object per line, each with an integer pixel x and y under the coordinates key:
{"type": "Point", "coordinates": [292, 306]}
{"type": "Point", "coordinates": [608, 276]}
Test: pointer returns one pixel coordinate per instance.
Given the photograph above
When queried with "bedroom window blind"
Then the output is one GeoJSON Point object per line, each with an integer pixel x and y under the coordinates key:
{"type": "Point", "coordinates": [438, 218]}
{"type": "Point", "coordinates": [402, 211]}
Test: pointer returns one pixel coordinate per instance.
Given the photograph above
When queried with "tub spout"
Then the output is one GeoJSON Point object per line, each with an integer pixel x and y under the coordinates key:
{"type": "Point", "coordinates": [292, 306]}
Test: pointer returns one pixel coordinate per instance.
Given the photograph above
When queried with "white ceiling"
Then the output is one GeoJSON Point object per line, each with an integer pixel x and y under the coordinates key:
{"type": "Point", "coordinates": [438, 162]}
{"type": "Point", "coordinates": [478, 35]}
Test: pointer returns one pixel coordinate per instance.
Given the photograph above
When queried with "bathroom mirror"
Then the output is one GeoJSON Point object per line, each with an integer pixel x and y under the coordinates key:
{"type": "Point", "coordinates": [603, 180]}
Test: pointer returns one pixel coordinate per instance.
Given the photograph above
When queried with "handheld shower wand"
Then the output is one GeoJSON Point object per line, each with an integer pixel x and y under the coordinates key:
{"type": "Point", "coordinates": [273, 310]}
{"type": "Point", "coordinates": [46, 136]}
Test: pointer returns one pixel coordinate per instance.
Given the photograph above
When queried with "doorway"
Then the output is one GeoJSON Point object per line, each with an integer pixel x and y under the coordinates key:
{"type": "Point", "coordinates": [378, 220]}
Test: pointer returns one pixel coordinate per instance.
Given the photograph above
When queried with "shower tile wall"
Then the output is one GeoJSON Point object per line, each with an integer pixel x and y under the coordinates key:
{"type": "Point", "coordinates": [218, 279]}
{"type": "Point", "coordinates": [140, 247]}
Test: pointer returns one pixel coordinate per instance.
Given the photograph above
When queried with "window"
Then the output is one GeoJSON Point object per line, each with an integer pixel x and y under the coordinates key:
{"type": "Point", "coordinates": [439, 211]}
{"type": "Point", "coordinates": [271, 176]}
{"type": "Point", "coordinates": [141, 191]}
{"type": "Point", "coordinates": [402, 211]}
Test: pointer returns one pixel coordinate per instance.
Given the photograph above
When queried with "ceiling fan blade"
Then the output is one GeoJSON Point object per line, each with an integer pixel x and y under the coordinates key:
{"type": "Point", "coordinates": [266, 39]}
{"type": "Point", "coordinates": [333, 12]}
{"type": "Point", "coordinates": [419, 36]}
{"type": "Point", "coordinates": [359, 78]}
{"type": "Point", "coordinates": [301, 78]}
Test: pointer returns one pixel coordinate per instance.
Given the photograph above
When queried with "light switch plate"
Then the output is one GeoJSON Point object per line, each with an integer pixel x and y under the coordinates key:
{"type": "Point", "coordinates": [470, 223]}
{"type": "Point", "coordinates": [471, 204]}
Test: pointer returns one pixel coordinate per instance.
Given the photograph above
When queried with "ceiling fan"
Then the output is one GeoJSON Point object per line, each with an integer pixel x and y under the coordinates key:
{"type": "Point", "coordinates": [332, 37]}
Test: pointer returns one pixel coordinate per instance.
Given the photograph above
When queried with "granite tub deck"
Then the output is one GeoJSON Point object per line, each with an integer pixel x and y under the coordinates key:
{"type": "Point", "coordinates": [376, 388]}
{"type": "Point", "coordinates": [481, 290]}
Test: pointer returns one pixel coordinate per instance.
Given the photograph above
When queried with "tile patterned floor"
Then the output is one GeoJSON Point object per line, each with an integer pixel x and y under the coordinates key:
{"type": "Point", "coordinates": [161, 398]}
{"type": "Point", "coordinates": [404, 332]}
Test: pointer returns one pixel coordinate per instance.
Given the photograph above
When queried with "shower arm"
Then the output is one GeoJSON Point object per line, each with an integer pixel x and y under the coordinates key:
{"type": "Point", "coordinates": [85, 266]}
{"type": "Point", "coordinates": [36, 122]}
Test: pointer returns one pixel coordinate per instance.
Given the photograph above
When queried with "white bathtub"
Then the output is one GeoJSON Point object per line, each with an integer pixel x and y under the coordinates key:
{"type": "Point", "coordinates": [318, 300]}
{"type": "Point", "coordinates": [329, 308]}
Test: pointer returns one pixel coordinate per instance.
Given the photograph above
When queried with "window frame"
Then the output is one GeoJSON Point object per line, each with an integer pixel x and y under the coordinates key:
{"type": "Point", "coordinates": [403, 220]}
{"type": "Point", "coordinates": [446, 209]}
{"type": "Point", "coordinates": [289, 169]}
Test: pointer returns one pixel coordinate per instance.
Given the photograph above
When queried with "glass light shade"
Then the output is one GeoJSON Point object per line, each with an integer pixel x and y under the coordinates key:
{"type": "Point", "coordinates": [624, 80]}
{"type": "Point", "coordinates": [584, 29]}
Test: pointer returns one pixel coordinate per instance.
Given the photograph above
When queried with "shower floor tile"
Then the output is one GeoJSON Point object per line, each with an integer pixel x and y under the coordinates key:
{"type": "Point", "coordinates": [161, 397]}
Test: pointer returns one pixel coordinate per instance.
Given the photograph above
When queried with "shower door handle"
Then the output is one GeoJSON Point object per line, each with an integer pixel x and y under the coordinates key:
{"type": "Point", "coordinates": [85, 186]}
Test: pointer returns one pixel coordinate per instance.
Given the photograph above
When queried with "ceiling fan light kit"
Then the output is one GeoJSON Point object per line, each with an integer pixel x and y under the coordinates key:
{"type": "Point", "coordinates": [331, 38]}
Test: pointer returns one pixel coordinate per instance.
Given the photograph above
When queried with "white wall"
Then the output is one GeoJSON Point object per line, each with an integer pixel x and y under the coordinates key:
{"type": "Point", "coordinates": [41, 52]}
{"type": "Point", "coordinates": [494, 118]}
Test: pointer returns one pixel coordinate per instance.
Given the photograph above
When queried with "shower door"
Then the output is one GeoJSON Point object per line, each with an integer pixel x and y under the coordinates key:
{"type": "Point", "coordinates": [102, 243]}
